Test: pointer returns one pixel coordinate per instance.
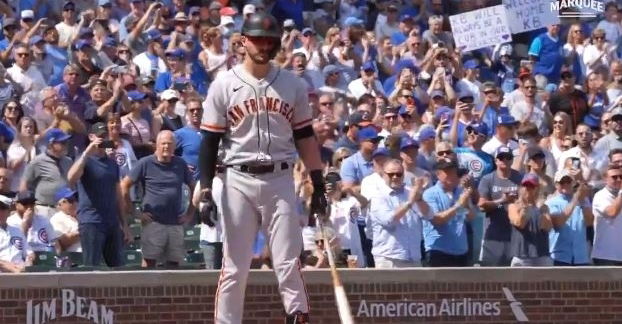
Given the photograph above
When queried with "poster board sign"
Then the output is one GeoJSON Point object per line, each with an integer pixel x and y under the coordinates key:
{"type": "Point", "coordinates": [480, 28]}
{"type": "Point", "coordinates": [524, 16]}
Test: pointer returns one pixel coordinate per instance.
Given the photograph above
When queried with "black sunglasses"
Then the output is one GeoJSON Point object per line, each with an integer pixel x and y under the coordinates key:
{"type": "Point", "coordinates": [394, 174]}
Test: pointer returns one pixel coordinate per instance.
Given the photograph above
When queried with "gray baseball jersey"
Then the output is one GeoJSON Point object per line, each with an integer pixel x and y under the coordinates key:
{"type": "Point", "coordinates": [257, 116]}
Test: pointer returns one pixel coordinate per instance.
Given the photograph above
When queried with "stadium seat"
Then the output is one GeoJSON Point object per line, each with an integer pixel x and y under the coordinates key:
{"type": "Point", "coordinates": [136, 230]}
{"type": "Point", "coordinates": [133, 258]}
{"type": "Point", "coordinates": [74, 257]}
{"type": "Point", "coordinates": [44, 259]}
{"type": "Point", "coordinates": [192, 232]}
{"type": "Point", "coordinates": [191, 244]}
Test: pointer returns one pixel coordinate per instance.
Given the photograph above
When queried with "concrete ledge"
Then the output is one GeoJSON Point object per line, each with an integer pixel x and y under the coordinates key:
{"type": "Point", "coordinates": [154, 278]}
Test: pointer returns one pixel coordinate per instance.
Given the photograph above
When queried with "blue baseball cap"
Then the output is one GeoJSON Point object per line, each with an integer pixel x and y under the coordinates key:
{"type": "Point", "coordinates": [307, 30]}
{"type": "Point", "coordinates": [471, 64]}
{"type": "Point", "coordinates": [86, 32]}
{"type": "Point", "coordinates": [110, 42]}
{"type": "Point", "coordinates": [592, 120]}
{"type": "Point", "coordinates": [81, 44]}
{"type": "Point", "coordinates": [36, 39]}
{"type": "Point", "coordinates": [153, 35]}
{"type": "Point", "coordinates": [506, 120]}
{"type": "Point", "coordinates": [381, 151]}
{"type": "Point", "coordinates": [440, 111]}
{"type": "Point", "coordinates": [405, 64]}
{"type": "Point", "coordinates": [403, 111]}
{"type": "Point", "coordinates": [64, 193]}
{"type": "Point", "coordinates": [369, 134]}
{"type": "Point", "coordinates": [437, 93]}
{"type": "Point", "coordinates": [368, 66]}
{"type": "Point", "coordinates": [56, 135]}
{"type": "Point", "coordinates": [102, 3]}
{"type": "Point", "coordinates": [406, 17]}
{"type": "Point", "coordinates": [426, 133]}
{"type": "Point", "coordinates": [329, 69]}
{"type": "Point", "coordinates": [352, 21]}
{"type": "Point", "coordinates": [408, 142]}
{"type": "Point", "coordinates": [480, 128]}
{"type": "Point", "coordinates": [136, 95]}
{"type": "Point", "coordinates": [177, 52]}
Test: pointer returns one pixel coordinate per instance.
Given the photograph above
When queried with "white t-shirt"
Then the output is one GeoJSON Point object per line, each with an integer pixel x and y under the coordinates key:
{"type": "Point", "coordinates": [358, 89]}
{"type": "Point", "coordinates": [607, 238]}
{"type": "Point", "coordinates": [471, 87]}
{"type": "Point", "coordinates": [591, 53]}
{"type": "Point", "coordinates": [520, 110]}
{"type": "Point", "coordinates": [493, 144]}
{"type": "Point", "coordinates": [15, 152]}
{"type": "Point", "coordinates": [63, 224]}
{"type": "Point", "coordinates": [13, 245]}
{"type": "Point", "coordinates": [579, 49]}
{"type": "Point", "coordinates": [40, 236]}
{"type": "Point", "coordinates": [144, 64]}
{"type": "Point", "coordinates": [65, 31]}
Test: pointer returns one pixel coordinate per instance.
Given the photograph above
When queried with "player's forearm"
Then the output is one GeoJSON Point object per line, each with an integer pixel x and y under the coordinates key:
{"type": "Point", "coordinates": [309, 151]}
{"type": "Point", "coordinates": [208, 155]}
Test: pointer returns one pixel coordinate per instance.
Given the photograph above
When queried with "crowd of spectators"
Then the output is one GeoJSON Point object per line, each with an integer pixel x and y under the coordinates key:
{"type": "Point", "coordinates": [503, 156]}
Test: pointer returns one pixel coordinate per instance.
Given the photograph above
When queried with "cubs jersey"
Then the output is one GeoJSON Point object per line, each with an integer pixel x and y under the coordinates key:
{"type": "Point", "coordinates": [257, 117]}
{"type": "Point", "coordinates": [13, 245]}
{"type": "Point", "coordinates": [40, 236]}
{"type": "Point", "coordinates": [478, 164]}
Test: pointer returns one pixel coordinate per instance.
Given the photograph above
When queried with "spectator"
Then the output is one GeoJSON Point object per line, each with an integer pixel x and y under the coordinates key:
{"type": "Point", "coordinates": [490, 108]}
{"type": "Point", "coordinates": [211, 229]}
{"type": "Point", "coordinates": [213, 56]}
{"type": "Point", "coordinates": [356, 121]}
{"type": "Point", "coordinates": [72, 94]}
{"type": "Point", "coordinates": [367, 83]}
{"type": "Point", "coordinates": [65, 221]}
{"type": "Point", "coordinates": [15, 252]}
{"type": "Point", "coordinates": [607, 206]}
{"type": "Point", "coordinates": [395, 216]}
{"type": "Point", "coordinates": [612, 140]}
{"type": "Point", "coordinates": [346, 210]}
{"type": "Point", "coordinates": [27, 76]}
{"type": "Point", "coordinates": [22, 150]}
{"type": "Point", "coordinates": [569, 99]}
{"type": "Point", "coordinates": [590, 161]}
{"type": "Point", "coordinates": [530, 226]}
{"type": "Point", "coordinates": [359, 165]}
{"type": "Point", "coordinates": [546, 51]}
{"type": "Point", "coordinates": [444, 234]}
{"type": "Point", "coordinates": [136, 127]}
{"type": "Point", "coordinates": [497, 190]}
{"type": "Point", "coordinates": [471, 157]}
{"type": "Point", "coordinates": [149, 62]}
{"type": "Point", "coordinates": [188, 138]}
{"type": "Point", "coordinates": [532, 109]}
{"type": "Point", "coordinates": [165, 117]}
{"type": "Point", "coordinates": [37, 229]}
{"type": "Point", "coordinates": [162, 175]}
{"type": "Point", "coordinates": [47, 172]}
{"type": "Point", "coordinates": [615, 157]}
{"type": "Point", "coordinates": [610, 25]}
{"type": "Point", "coordinates": [100, 207]}
{"type": "Point", "coordinates": [570, 215]}
{"type": "Point", "coordinates": [6, 178]}
{"type": "Point", "coordinates": [599, 54]}
{"type": "Point", "coordinates": [68, 26]}
{"type": "Point", "coordinates": [504, 135]}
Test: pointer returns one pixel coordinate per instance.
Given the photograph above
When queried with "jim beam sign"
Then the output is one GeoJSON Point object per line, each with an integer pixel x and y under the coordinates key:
{"type": "Point", "coordinates": [71, 306]}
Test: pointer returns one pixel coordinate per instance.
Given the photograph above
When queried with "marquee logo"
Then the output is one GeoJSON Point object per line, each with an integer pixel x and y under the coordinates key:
{"type": "Point", "coordinates": [578, 8]}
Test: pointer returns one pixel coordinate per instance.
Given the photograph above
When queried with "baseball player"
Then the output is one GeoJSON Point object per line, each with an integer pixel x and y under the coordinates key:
{"type": "Point", "coordinates": [262, 115]}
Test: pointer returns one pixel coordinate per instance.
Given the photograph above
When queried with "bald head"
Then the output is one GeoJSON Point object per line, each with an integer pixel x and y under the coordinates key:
{"type": "Point", "coordinates": [165, 146]}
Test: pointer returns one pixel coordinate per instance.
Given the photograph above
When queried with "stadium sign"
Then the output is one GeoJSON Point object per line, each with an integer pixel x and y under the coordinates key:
{"type": "Point", "coordinates": [71, 305]}
{"type": "Point", "coordinates": [578, 8]}
{"type": "Point", "coordinates": [446, 307]}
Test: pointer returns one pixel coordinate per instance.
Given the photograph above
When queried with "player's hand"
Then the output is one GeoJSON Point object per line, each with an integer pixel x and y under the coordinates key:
{"type": "Point", "coordinates": [318, 203]}
{"type": "Point", "coordinates": [208, 212]}
{"type": "Point", "coordinates": [146, 218]}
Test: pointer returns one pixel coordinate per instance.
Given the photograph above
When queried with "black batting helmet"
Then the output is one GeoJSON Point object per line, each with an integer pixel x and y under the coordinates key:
{"type": "Point", "coordinates": [261, 25]}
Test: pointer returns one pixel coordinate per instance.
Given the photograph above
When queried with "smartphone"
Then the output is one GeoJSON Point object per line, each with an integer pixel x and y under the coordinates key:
{"type": "Point", "coordinates": [440, 70]}
{"type": "Point", "coordinates": [180, 86]}
{"type": "Point", "coordinates": [576, 163]}
{"type": "Point", "coordinates": [107, 144]}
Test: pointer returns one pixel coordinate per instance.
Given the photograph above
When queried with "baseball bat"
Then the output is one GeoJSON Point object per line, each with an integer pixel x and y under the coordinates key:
{"type": "Point", "coordinates": [343, 306]}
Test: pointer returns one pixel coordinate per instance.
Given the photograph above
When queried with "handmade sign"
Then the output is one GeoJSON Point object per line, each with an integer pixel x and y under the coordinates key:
{"type": "Point", "coordinates": [480, 28]}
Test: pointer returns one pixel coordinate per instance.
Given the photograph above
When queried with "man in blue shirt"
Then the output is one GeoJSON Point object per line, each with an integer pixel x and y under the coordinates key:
{"type": "Point", "coordinates": [444, 235]}
{"type": "Point", "coordinates": [359, 165]}
{"type": "Point", "coordinates": [188, 138]}
{"type": "Point", "coordinates": [396, 215]}
{"type": "Point", "coordinates": [162, 175]}
{"type": "Point", "coordinates": [101, 224]}
{"type": "Point", "coordinates": [546, 50]}
{"type": "Point", "coordinates": [406, 25]}
{"type": "Point", "coordinates": [571, 212]}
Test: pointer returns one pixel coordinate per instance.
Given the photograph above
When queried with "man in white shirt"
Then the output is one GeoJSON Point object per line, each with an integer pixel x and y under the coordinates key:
{"type": "Point", "coordinates": [607, 208]}
{"type": "Point", "coordinates": [150, 62]}
{"type": "Point", "coordinates": [68, 26]}
{"type": "Point", "coordinates": [38, 231]}
{"type": "Point", "coordinates": [591, 162]}
{"type": "Point", "coordinates": [504, 135]}
{"type": "Point", "coordinates": [396, 215]}
{"type": "Point", "coordinates": [470, 83]}
{"type": "Point", "coordinates": [312, 55]}
{"type": "Point", "coordinates": [367, 83]}
{"type": "Point", "coordinates": [65, 222]}
{"type": "Point", "coordinates": [26, 75]}
{"type": "Point", "coordinates": [611, 23]}
{"type": "Point", "coordinates": [14, 250]}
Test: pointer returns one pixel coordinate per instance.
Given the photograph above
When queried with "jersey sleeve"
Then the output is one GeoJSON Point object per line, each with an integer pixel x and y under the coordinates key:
{"type": "Point", "coordinates": [302, 111]}
{"type": "Point", "coordinates": [215, 109]}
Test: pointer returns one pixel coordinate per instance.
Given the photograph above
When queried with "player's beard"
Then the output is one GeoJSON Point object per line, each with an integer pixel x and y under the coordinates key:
{"type": "Point", "coordinates": [259, 57]}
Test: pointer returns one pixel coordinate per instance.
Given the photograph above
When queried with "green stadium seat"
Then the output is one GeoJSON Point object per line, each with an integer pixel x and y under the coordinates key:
{"type": "Point", "coordinates": [192, 232]}
{"type": "Point", "coordinates": [134, 245]}
{"type": "Point", "coordinates": [44, 259]}
{"type": "Point", "coordinates": [191, 244]}
{"type": "Point", "coordinates": [196, 257]}
{"type": "Point", "coordinates": [136, 231]}
{"type": "Point", "coordinates": [74, 257]}
{"type": "Point", "coordinates": [133, 258]}
{"type": "Point", "coordinates": [41, 268]}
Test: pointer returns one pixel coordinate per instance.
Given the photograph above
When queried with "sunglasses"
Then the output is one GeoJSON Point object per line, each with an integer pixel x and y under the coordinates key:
{"type": "Point", "coordinates": [443, 153]}
{"type": "Point", "coordinates": [616, 177]}
{"type": "Point", "coordinates": [195, 110]}
{"type": "Point", "coordinates": [70, 200]}
{"type": "Point", "coordinates": [505, 158]}
{"type": "Point", "coordinates": [172, 101]}
{"type": "Point", "coordinates": [27, 20]}
{"type": "Point", "coordinates": [74, 9]}
{"type": "Point", "coordinates": [394, 174]}
{"type": "Point", "coordinates": [319, 242]}
{"type": "Point", "coordinates": [327, 103]}
{"type": "Point", "coordinates": [23, 54]}
{"type": "Point", "coordinates": [530, 87]}
{"type": "Point", "coordinates": [599, 38]}
{"type": "Point", "coordinates": [407, 96]}
{"type": "Point", "coordinates": [565, 147]}
{"type": "Point", "coordinates": [12, 108]}
{"type": "Point", "coordinates": [616, 119]}
{"type": "Point", "coordinates": [123, 51]}
{"type": "Point", "coordinates": [342, 158]}
{"type": "Point", "coordinates": [558, 122]}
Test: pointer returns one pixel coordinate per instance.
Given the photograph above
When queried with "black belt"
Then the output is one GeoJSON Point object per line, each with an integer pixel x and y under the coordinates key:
{"type": "Point", "coordinates": [259, 169]}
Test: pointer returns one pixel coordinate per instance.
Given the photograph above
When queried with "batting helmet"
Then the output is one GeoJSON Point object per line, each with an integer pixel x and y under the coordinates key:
{"type": "Point", "coordinates": [261, 25]}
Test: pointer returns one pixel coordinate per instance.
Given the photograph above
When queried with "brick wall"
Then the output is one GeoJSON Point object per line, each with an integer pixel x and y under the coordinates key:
{"type": "Point", "coordinates": [587, 295]}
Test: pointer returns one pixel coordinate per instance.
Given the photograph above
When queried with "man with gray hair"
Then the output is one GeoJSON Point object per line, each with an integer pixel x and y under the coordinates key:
{"type": "Point", "coordinates": [162, 175]}
{"type": "Point", "coordinates": [26, 75]}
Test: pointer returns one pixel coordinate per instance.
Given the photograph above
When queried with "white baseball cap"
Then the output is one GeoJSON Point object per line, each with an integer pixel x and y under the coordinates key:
{"type": "Point", "coordinates": [289, 23]}
{"type": "Point", "coordinates": [226, 20]}
{"type": "Point", "coordinates": [27, 14]}
{"type": "Point", "coordinates": [169, 94]}
{"type": "Point", "coordinates": [249, 9]}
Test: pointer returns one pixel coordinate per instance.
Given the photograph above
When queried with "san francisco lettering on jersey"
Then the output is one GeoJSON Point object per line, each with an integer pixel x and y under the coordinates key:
{"type": "Point", "coordinates": [238, 112]}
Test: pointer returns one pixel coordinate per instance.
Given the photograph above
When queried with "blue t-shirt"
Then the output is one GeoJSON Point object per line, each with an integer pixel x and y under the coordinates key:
{"type": "Point", "coordinates": [97, 192]}
{"type": "Point", "coordinates": [188, 146]}
{"type": "Point", "coordinates": [162, 183]}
